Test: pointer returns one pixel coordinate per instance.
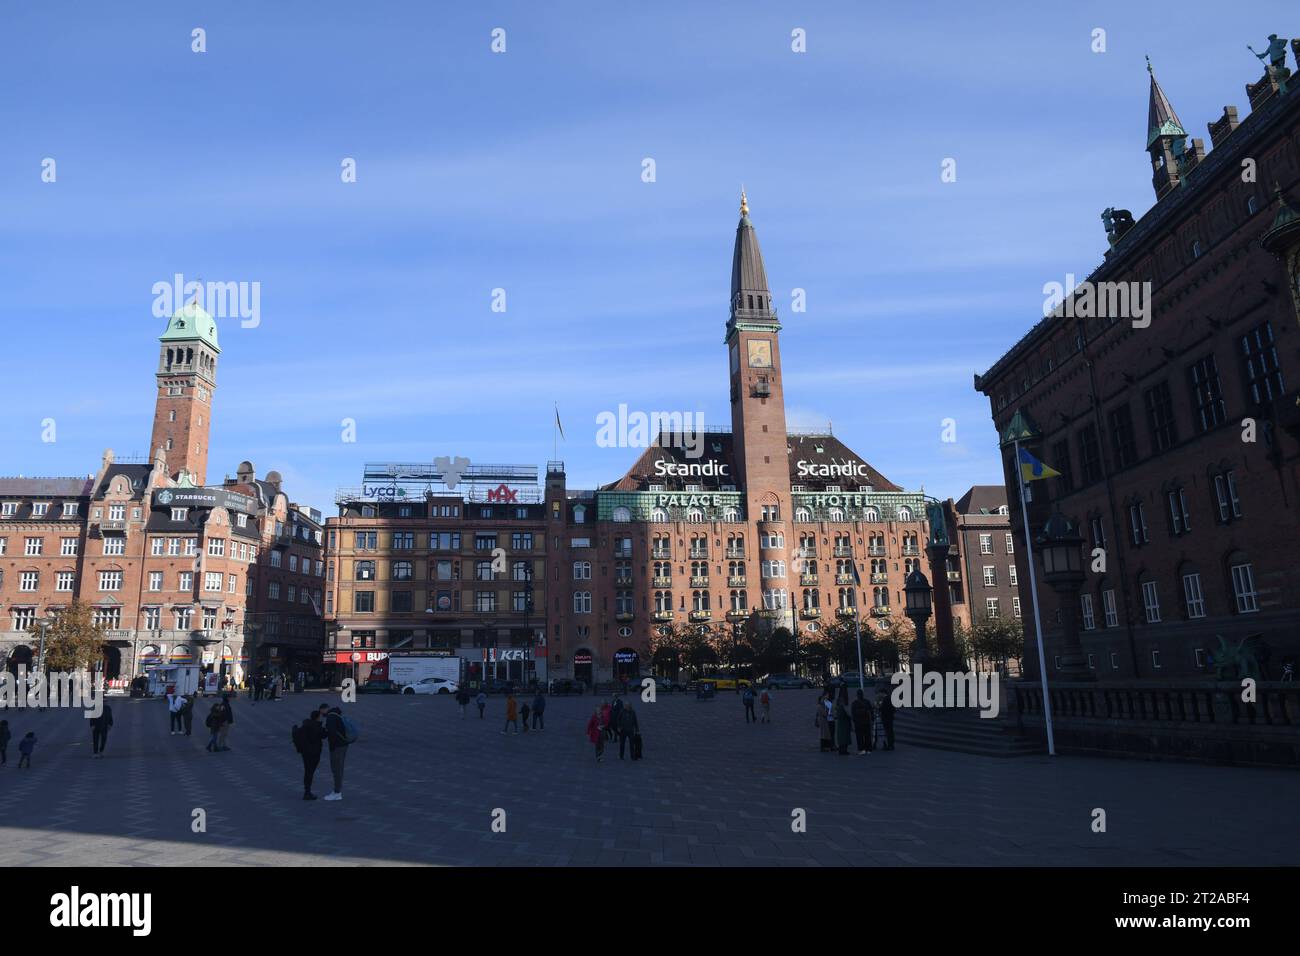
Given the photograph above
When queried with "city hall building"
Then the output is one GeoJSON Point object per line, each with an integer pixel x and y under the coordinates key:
{"type": "Point", "coordinates": [1176, 433]}
{"type": "Point", "coordinates": [762, 521]}
{"type": "Point", "coordinates": [228, 576]}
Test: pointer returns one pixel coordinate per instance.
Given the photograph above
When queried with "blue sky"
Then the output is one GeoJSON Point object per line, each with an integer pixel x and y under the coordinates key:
{"type": "Point", "coordinates": [522, 171]}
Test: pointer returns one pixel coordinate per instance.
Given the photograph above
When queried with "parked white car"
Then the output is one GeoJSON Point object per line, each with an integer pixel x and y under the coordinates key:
{"type": "Point", "coordinates": [432, 685]}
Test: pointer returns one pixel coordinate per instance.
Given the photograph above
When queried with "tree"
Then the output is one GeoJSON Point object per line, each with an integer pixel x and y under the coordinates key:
{"type": "Point", "coordinates": [998, 639]}
{"type": "Point", "coordinates": [74, 641]}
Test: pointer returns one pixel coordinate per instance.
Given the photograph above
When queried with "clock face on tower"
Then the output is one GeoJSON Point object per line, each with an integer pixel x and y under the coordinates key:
{"type": "Point", "coordinates": [760, 353]}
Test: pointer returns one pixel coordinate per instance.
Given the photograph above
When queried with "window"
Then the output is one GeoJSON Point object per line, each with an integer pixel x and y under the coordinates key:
{"type": "Point", "coordinates": [180, 514]}
{"type": "Point", "coordinates": [986, 544]}
{"type": "Point", "coordinates": [990, 576]}
{"type": "Point", "coordinates": [773, 569]}
{"type": "Point", "coordinates": [367, 540]}
{"type": "Point", "coordinates": [152, 618]}
{"type": "Point", "coordinates": [521, 541]}
{"type": "Point", "coordinates": [521, 601]}
{"type": "Point", "coordinates": [70, 509]}
{"type": "Point", "coordinates": [212, 581]}
{"type": "Point", "coordinates": [1011, 545]}
{"type": "Point", "coordinates": [1015, 606]}
{"type": "Point", "coordinates": [1160, 417]}
{"type": "Point", "coordinates": [581, 570]}
{"type": "Point", "coordinates": [1098, 531]}
{"type": "Point", "coordinates": [1180, 522]}
{"type": "Point", "coordinates": [24, 618]}
{"type": "Point", "coordinates": [33, 547]}
{"type": "Point", "coordinates": [444, 541]}
{"type": "Point", "coordinates": [155, 580]}
{"type": "Point", "coordinates": [1121, 436]}
{"type": "Point", "coordinates": [521, 571]}
{"type": "Point", "coordinates": [1108, 606]}
{"type": "Point", "coordinates": [1151, 601]}
{"type": "Point", "coordinates": [1061, 462]}
{"type": "Point", "coordinates": [1011, 571]}
{"type": "Point", "coordinates": [365, 570]}
{"type": "Point", "coordinates": [1243, 588]}
{"type": "Point", "coordinates": [581, 602]}
{"type": "Point", "coordinates": [40, 509]}
{"type": "Point", "coordinates": [273, 590]}
{"type": "Point", "coordinates": [401, 601]}
{"type": "Point", "coordinates": [1259, 358]}
{"type": "Point", "coordinates": [217, 547]}
{"type": "Point", "coordinates": [114, 545]}
{"type": "Point", "coordinates": [9, 509]}
{"type": "Point", "coordinates": [1207, 395]}
{"type": "Point", "coordinates": [1090, 454]}
{"type": "Point", "coordinates": [403, 541]}
{"type": "Point", "coordinates": [363, 602]}
{"type": "Point", "coordinates": [1225, 491]}
{"type": "Point", "coordinates": [64, 580]}
{"type": "Point", "coordinates": [991, 607]}
{"type": "Point", "coordinates": [110, 580]}
{"type": "Point", "coordinates": [1089, 620]}
{"type": "Point", "coordinates": [1192, 594]}
{"type": "Point", "coordinates": [1137, 521]}
{"type": "Point", "coordinates": [403, 570]}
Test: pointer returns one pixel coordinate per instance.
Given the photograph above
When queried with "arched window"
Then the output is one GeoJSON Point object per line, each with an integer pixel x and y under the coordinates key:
{"type": "Point", "coordinates": [871, 514]}
{"type": "Point", "coordinates": [622, 514]}
{"type": "Point", "coordinates": [731, 514]}
{"type": "Point", "coordinates": [695, 515]}
{"type": "Point", "coordinates": [904, 513]}
{"type": "Point", "coordinates": [837, 514]}
{"type": "Point", "coordinates": [659, 516]}
{"type": "Point", "coordinates": [802, 514]}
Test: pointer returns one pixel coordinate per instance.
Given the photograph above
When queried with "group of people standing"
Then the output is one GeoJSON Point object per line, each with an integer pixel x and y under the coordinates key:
{"type": "Point", "coordinates": [838, 721]}
{"type": "Point", "coordinates": [615, 718]}
{"type": "Point", "coordinates": [325, 723]}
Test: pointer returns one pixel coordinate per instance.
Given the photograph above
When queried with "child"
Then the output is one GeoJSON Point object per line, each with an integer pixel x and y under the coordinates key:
{"type": "Point", "coordinates": [523, 713]}
{"type": "Point", "coordinates": [766, 703]}
{"type": "Point", "coordinates": [4, 742]}
{"type": "Point", "coordinates": [25, 748]}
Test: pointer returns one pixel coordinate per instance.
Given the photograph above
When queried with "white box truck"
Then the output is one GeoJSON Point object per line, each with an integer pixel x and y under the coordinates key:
{"type": "Point", "coordinates": [406, 669]}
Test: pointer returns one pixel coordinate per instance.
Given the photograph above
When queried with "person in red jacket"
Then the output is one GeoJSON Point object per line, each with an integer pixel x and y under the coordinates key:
{"type": "Point", "coordinates": [596, 733]}
{"type": "Point", "coordinates": [607, 720]}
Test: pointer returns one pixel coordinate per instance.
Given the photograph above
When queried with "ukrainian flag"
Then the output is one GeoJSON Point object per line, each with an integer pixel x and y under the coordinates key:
{"type": "Point", "coordinates": [1031, 469]}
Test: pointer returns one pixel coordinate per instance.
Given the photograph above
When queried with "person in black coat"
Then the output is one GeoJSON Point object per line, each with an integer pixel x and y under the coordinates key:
{"type": "Point", "coordinates": [187, 714]}
{"type": "Point", "coordinates": [311, 737]}
{"type": "Point", "coordinates": [99, 730]}
{"type": "Point", "coordinates": [627, 727]}
{"type": "Point", "coordinates": [862, 718]}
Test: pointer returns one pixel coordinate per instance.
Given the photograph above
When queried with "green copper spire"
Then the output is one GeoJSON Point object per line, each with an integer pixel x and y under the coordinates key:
{"type": "Point", "coordinates": [1161, 118]}
{"type": "Point", "coordinates": [192, 323]}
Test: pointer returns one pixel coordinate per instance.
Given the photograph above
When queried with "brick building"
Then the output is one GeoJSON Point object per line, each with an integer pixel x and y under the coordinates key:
{"type": "Point", "coordinates": [175, 570]}
{"type": "Point", "coordinates": [1175, 432]}
{"type": "Point", "coordinates": [761, 520]}
{"type": "Point", "coordinates": [415, 565]}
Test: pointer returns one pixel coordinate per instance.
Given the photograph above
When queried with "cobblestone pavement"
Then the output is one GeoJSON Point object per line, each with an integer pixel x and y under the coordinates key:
{"type": "Point", "coordinates": [421, 787]}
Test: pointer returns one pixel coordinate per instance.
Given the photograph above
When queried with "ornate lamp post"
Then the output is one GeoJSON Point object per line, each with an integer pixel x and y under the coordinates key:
{"type": "Point", "coordinates": [917, 590]}
{"type": "Point", "coordinates": [1061, 546]}
{"type": "Point", "coordinates": [937, 547]}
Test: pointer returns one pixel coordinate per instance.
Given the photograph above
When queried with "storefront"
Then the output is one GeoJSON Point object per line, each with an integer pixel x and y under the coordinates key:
{"type": "Point", "coordinates": [627, 664]}
{"type": "Point", "coordinates": [582, 669]}
{"type": "Point", "coordinates": [513, 664]}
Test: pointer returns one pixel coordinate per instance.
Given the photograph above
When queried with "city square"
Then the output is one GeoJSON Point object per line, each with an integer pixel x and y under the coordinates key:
{"type": "Point", "coordinates": [421, 787]}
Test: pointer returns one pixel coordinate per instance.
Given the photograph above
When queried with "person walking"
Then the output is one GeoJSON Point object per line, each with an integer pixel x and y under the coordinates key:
{"type": "Point", "coordinates": [337, 732]}
{"type": "Point", "coordinates": [523, 715]}
{"type": "Point", "coordinates": [614, 713]}
{"type": "Point", "coordinates": [539, 709]}
{"type": "Point", "coordinates": [187, 714]}
{"type": "Point", "coordinates": [765, 707]}
{"type": "Point", "coordinates": [823, 721]}
{"type": "Point", "coordinates": [843, 722]}
{"type": "Point", "coordinates": [99, 731]}
{"type": "Point", "coordinates": [512, 713]}
{"type": "Point", "coordinates": [462, 699]}
{"type": "Point", "coordinates": [311, 736]}
{"type": "Point", "coordinates": [5, 737]}
{"type": "Point", "coordinates": [628, 728]}
{"type": "Point", "coordinates": [481, 700]}
{"type": "Point", "coordinates": [25, 748]}
{"type": "Point", "coordinates": [607, 721]}
{"type": "Point", "coordinates": [862, 717]}
{"type": "Point", "coordinates": [885, 707]}
{"type": "Point", "coordinates": [748, 700]}
{"type": "Point", "coordinates": [174, 704]}
{"type": "Point", "coordinates": [596, 733]}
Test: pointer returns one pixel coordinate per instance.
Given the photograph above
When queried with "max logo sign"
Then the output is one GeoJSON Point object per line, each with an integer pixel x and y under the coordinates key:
{"type": "Point", "coordinates": [503, 494]}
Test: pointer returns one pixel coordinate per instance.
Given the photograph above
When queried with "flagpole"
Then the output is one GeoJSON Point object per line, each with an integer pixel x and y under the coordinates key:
{"type": "Point", "coordinates": [1033, 592]}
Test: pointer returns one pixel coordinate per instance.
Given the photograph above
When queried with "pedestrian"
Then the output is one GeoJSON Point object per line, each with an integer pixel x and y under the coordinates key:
{"type": "Point", "coordinates": [885, 707]}
{"type": "Point", "coordinates": [462, 700]}
{"type": "Point", "coordinates": [765, 702]}
{"type": "Point", "coordinates": [174, 704]}
{"type": "Point", "coordinates": [340, 739]}
{"type": "Point", "coordinates": [308, 738]}
{"type": "Point", "coordinates": [843, 722]}
{"type": "Point", "coordinates": [596, 734]}
{"type": "Point", "coordinates": [523, 715]}
{"type": "Point", "coordinates": [862, 717]}
{"type": "Point", "coordinates": [614, 713]}
{"type": "Point", "coordinates": [187, 714]}
{"type": "Point", "coordinates": [98, 731]}
{"type": "Point", "coordinates": [5, 736]}
{"type": "Point", "coordinates": [25, 748]}
{"type": "Point", "coordinates": [823, 722]}
{"type": "Point", "coordinates": [748, 699]}
{"type": "Point", "coordinates": [539, 708]}
{"type": "Point", "coordinates": [219, 721]}
{"type": "Point", "coordinates": [607, 721]}
{"type": "Point", "coordinates": [512, 712]}
{"type": "Point", "coordinates": [481, 700]}
{"type": "Point", "coordinates": [628, 728]}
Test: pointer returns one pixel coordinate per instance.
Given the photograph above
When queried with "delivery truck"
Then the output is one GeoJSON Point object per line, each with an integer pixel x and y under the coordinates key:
{"type": "Point", "coordinates": [406, 669]}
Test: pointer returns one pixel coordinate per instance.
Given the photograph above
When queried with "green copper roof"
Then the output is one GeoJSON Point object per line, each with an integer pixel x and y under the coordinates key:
{"type": "Point", "coordinates": [192, 323]}
{"type": "Point", "coordinates": [1021, 428]}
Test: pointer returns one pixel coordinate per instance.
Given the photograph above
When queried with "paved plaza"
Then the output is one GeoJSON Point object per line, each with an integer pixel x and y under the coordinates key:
{"type": "Point", "coordinates": [422, 785]}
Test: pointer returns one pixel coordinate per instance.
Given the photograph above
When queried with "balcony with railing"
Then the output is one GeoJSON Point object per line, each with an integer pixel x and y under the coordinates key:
{"type": "Point", "coordinates": [880, 610]}
{"type": "Point", "coordinates": [846, 611]}
{"type": "Point", "coordinates": [623, 581]}
{"type": "Point", "coordinates": [807, 580]}
{"type": "Point", "coordinates": [843, 579]}
{"type": "Point", "coordinates": [809, 613]}
{"type": "Point", "coordinates": [699, 553]}
{"type": "Point", "coordinates": [662, 615]}
{"type": "Point", "coordinates": [911, 551]}
{"type": "Point", "coordinates": [624, 616]}
{"type": "Point", "coordinates": [700, 581]}
{"type": "Point", "coordinates": [878, 578]}
{"type": "Point", "coordinates": [663, 582]}
{"type": "Point", "coordinates": [737, 614]}
{"type": "Point", "coordinates": [842, 551]}
{"type": "Point", "coordinates": [876, 550]}
{"type": "Point", "coordinates": [701, 615]}
{"type": "Point", "coordinates": [735, 552]}
{"type": "Point", "coordinates": [954, 577]}
{"type": "Point", "coordinates": [661, 554]}
{"type": "Point", "coordinates": [736, 581]}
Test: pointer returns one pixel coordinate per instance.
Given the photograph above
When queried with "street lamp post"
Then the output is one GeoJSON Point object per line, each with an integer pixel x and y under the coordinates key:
{"type": "Point", "coordinates": [1061, 546]}
{"type": "Point", "coordinates": [40, 658]}
{"type": "Point", "coordinates": [917, 591]}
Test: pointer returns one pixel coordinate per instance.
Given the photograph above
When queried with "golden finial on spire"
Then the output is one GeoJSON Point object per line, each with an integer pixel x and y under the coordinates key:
{"type": "Point", "coordinates": [744, 203]}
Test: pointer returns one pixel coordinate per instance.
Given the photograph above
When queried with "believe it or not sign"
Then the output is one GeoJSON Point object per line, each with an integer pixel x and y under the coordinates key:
{"type": "Point", "coordinates": [626, 657]}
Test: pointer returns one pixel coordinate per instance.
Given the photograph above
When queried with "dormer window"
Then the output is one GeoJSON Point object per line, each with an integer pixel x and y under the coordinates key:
{"type": "Point", "coordinates": [180, 514]}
